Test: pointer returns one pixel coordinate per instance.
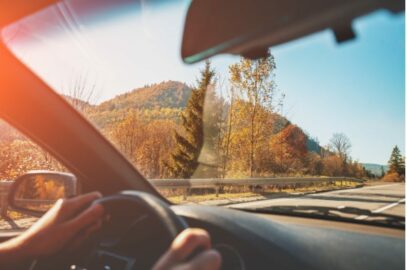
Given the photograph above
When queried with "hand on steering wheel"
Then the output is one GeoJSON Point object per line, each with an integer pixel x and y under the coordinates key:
{"type": "Point", "coordinates": [70, 222]}
{"type": "Point", "coordinates": [65, 226]}
{"type": "Point", "coordinates": [184, 246]}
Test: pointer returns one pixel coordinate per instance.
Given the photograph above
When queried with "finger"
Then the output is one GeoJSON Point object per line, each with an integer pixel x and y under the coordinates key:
{"type": "Point", "coordinates": [207, 260]}
{"type": "Point", "coordinates": [83, 200]}
{"type": "Point", "coordinates": [188, 241]}
{"type": "Point", "coordinates": [72, 206]}
{"type": "Point", "coordinates": [183, 246]}
{"type": "Point", "coordinates": [85, 219]}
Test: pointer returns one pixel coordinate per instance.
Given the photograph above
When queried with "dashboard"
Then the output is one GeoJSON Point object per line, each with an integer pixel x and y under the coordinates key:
{"type": "Point", "coordinates": [259, 241]}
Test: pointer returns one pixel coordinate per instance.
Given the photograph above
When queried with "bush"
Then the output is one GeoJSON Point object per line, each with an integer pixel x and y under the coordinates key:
{"type": "Point", "coordinates": [393, 177]}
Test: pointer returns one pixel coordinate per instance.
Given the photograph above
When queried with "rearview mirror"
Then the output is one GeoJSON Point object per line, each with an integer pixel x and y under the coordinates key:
{"type": "Point", "coordinates": [35, 192]}
{"type": "Point", "coordinates": [249, 27]}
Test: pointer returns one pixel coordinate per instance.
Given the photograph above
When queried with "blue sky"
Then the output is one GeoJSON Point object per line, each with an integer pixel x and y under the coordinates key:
{"type": "Point", "coordinates": [356, 88]}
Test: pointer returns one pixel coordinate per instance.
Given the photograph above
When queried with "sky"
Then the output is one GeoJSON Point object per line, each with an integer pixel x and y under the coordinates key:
{"type": "Point", "coordinates": [356, 88]}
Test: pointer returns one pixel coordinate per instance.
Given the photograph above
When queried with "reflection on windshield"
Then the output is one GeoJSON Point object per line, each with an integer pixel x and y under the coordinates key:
{"type": "Point", "coordinates": [238, 128]}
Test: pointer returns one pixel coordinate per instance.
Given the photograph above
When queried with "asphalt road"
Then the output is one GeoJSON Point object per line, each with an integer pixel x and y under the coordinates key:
{"type": "Point", "coordinates": [385, 198]}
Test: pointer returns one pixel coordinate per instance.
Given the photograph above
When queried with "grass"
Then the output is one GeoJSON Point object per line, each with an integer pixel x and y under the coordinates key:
{"type": "Point", "coordinates": [15, 215]}
{"type": "Point", "coordinates": [210, 197]}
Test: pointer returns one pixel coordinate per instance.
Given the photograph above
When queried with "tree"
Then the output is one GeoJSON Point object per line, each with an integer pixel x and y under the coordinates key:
{"type": "Point", "coordinates": [183, 160]}
{"type": "Point", "coordinates": [396, 162]}
{"type": "Point", "coordinates": [127, 134]}
{"type": "Point", "coordinates": [314, 163]}
{"type": "Point", "coordinates": [81, 93]}
{"type": "Point", "coordinates": [332, 165]}
{"type": "Point", "coordinates": [254, 78]}
{"type": "Point", "coordinates": [240, 147]}
{"type": "Point", "coordinates": [289, 148]}
{"type": "Point", "coordinates": [154, 147]}
{"type": "Point", "coordinates": [340, 144]}
{"type": "Point", "coordinates": [227, 134]}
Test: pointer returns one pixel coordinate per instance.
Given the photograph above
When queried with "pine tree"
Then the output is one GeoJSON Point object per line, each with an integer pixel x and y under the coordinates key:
{"type": "Point", "coordinates": [396, 162]}
{"type": "Point", "coordinates": [183, 160]}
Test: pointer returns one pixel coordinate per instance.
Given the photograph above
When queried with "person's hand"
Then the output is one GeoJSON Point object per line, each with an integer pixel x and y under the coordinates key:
{"type": "Point", "coordinates": [67, 224]}
{"type": "Point", "coordinates": [183, 247]}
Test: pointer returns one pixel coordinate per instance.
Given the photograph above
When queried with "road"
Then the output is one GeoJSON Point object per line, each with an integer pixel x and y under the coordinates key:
{"type": "Point", "coordinates": [384, 198]}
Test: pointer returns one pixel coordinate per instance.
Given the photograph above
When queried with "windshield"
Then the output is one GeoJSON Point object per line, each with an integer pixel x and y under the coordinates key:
{"type": "Point", "coordinates": [313, 116]}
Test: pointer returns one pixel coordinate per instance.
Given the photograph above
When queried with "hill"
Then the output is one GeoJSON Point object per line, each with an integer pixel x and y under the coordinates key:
{"type": "Point", "coordinates": [169, 94]}
{"type": "Point", "coordinates": [165, 100]}
{"type": "Point", "coordinates": [376, 169]}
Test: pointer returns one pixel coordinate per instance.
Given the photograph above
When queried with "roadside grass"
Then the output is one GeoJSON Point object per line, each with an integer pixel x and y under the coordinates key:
{"type": "Point", "coordinates": [235, 193]}
{"type": "Point", "coordinates": [15, 214]}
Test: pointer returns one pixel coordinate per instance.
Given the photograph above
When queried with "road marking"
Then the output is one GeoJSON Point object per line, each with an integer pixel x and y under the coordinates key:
{"type": "Point", "coordinates": [387, 185]}
{"type": "Point", "coordinates": [364, 188]}
{"type": "Point", "coordinates": [381, 209]}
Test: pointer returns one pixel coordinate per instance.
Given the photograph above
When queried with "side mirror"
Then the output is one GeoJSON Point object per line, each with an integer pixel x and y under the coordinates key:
{"type": "Point", "coordinates": [35, 192]}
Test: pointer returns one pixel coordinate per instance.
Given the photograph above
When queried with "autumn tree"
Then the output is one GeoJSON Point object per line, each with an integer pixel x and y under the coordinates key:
{"type": "Point", "coordinates": [396, 162]}
{"type": "Point", "coordinates": [80, 92]}
{"type": "Point", "coordinates": [220, 106]}
{"type": "Point", "coordinates": [227, 131]}
{"type": "Point", "coordinates": [340, 144]}
{"type": "Point", "coordinates": [314, 163]}
{"type": "Point", "coordinates": [254, 79]}
{"type": "Point", "coordinates": [154, 148]}
{"type": "Point", "coordinates": [332, 165]}
{"type": "Point", "coordinates": [127, 134]}
{"type": "Point", "coordinates": [183, 160]}
{"type": "Point", "coordinates": [289, 149]}
{"type": "Point", "coordinates": [21, 155]}
{"type": "Point", "coordinates": [240, 147]}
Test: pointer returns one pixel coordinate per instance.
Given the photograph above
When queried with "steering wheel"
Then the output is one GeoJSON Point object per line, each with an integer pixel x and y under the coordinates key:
{"type": "Point", "coordinates": [137, 230]}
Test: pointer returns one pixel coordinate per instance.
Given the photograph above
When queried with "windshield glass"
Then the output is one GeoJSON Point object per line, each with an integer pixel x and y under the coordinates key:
{"type": "Point", "coordinates": [313, 116]}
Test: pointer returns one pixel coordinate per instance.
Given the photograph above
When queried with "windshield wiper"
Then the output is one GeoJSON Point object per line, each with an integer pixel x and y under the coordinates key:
{"type": "Point", "coordinates": [334, 213]}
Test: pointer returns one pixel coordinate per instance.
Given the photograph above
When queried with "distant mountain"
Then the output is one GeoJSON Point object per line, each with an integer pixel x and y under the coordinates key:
{"type": "Point", "coordinates": [375, 168]}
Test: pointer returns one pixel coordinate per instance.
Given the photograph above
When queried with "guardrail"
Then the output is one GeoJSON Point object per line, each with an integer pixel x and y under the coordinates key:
{"type": "Point", "coordinates": [189, 184]}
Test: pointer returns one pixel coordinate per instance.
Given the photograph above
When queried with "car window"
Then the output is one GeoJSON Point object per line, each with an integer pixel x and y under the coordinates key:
{"type": "Point", "coordinates": [312, 116]}
{"type": "Point", "coordinates": [19, 155]}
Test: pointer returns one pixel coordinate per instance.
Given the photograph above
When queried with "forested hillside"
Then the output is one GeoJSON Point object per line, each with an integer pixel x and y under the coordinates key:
{"type": "Point", "coordinates": [172, 130]}
{"type": "Point", "coordinates": [164, 100]}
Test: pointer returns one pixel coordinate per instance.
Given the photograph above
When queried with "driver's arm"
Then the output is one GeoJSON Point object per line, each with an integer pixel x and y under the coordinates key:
{"type": "Point", "coordinates": [69, 222]}
{"type": "Point", "coordinates": [65, 225]}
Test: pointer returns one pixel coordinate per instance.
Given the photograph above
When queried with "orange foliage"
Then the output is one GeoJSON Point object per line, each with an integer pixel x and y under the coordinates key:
{"type": "Point", "coordinates": [393, 177]}
{"type": "Point", "coordinates": [288, 148]}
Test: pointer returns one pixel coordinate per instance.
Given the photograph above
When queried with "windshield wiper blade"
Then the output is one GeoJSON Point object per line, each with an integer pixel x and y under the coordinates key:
{"type": "Point", "coordinates": [335, 213]}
